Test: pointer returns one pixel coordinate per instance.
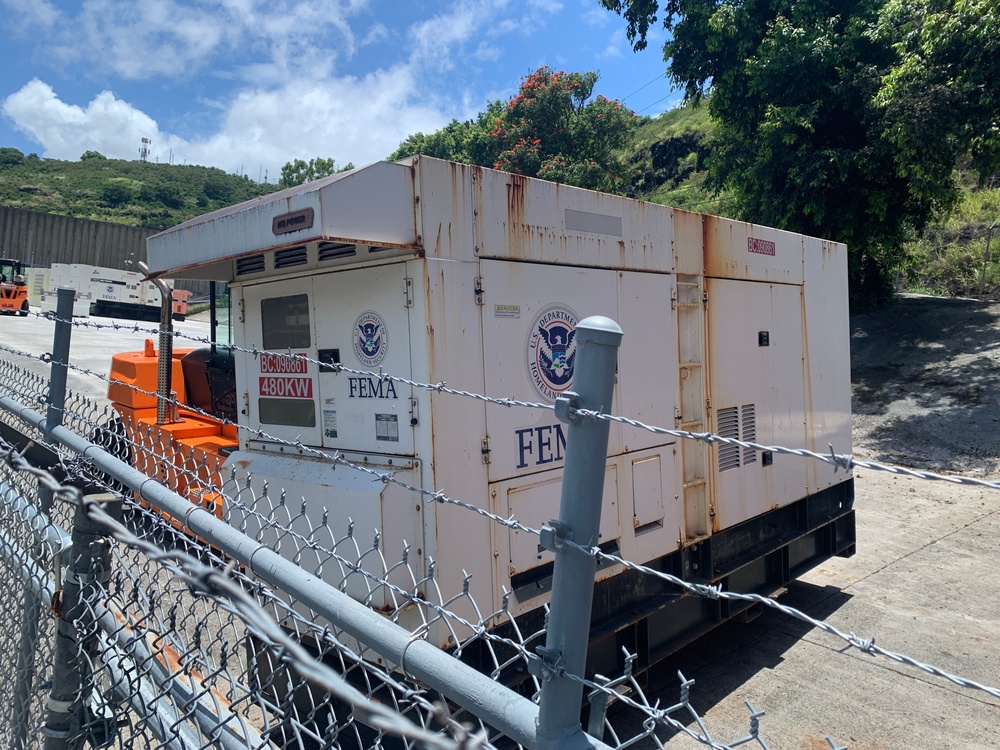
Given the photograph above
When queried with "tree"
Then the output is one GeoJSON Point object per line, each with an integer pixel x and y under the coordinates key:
{"type": "Point", "coordinates": [97, 155]}
{"type": "Point", "coordinates": [11, 156]}
{"type": "Point", "coordinates": [299, 171]}
{"type": "Point", "coordinates": [117, 193]}
{"type": "Point", "coordinates": [816, 134]}
{"type": "Point", "coordinates": [551, 129]}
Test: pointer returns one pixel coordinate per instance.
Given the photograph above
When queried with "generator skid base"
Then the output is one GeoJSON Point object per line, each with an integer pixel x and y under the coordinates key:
{"type": "Point", "coordinates": [352, 295]}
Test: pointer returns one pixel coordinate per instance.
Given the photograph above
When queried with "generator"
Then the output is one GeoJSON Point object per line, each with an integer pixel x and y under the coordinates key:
{"type": "Point", "coordinates": [435, 272]}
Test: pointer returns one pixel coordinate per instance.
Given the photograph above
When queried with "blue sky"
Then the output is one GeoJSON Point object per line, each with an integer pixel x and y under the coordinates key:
{"type": "Point", "coordinates": [247, 85]}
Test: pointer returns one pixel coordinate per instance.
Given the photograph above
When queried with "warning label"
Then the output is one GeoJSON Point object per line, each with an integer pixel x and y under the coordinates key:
{"type": "Point", "coordinates": [387, 427]}
{"type": "Point", "coordinates": [330, 423]}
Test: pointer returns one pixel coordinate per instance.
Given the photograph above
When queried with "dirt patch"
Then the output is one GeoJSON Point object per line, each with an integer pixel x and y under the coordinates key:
{"type": "Point", "coordinates": [925, 378]}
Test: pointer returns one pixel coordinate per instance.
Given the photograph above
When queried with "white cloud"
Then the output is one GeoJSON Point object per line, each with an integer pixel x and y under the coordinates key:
{"type": "Point", "coordinates": [65, 131]}
{"type": "Point", "coordinates": [261, 129]}
{"type": "Point", "coordinates": [40, 12]}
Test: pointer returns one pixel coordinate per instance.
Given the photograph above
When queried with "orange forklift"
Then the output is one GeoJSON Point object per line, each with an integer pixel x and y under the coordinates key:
{"type": "Point", "coordinates": [13, 288]}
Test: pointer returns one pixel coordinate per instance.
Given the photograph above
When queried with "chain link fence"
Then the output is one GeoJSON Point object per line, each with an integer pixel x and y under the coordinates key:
{"type": "Point", "coordinates": [153, 597]}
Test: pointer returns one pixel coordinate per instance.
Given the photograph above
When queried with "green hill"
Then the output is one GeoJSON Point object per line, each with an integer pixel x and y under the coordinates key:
{"type": "Point", "coordinates": [126, 192]}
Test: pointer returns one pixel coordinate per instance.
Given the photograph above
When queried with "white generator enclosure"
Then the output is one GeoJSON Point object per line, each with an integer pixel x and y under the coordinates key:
{"type": "Point", "coordinates": [445, 273]}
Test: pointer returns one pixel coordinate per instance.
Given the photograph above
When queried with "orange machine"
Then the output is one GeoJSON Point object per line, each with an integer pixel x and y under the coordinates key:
{"type": "Point", "coordinates": [13, 288]}
{"type": "Point", "coordinates": [187, 449]}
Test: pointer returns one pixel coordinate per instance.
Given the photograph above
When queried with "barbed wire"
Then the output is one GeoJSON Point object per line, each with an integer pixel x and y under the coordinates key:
{"type": "Point", "coordinates": [845, 461]}
{"type": "Point", "coordinates": [715, 592]}
{"type": "Point", "coordinates": [333, 367]}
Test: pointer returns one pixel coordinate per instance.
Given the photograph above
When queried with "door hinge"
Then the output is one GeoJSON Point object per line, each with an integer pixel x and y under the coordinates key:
{"type": "Point", "coordinates": [408, 291]}
{"type": "Point", "coordinates": [708, 406]}
{"type": "Point", "coordinates": [246, 404]}
{"type": "Point", "coordinates": [673, 298]}
{"type": "Point", "coordinates": [704, 299]}
{"type": "Point", "coordinates": [243, 317]}
{"type": "Point", "coordinates": [486, 449]}
{"type": "Point", "coordinates": [479, 290]}
{"type": "Point", "coordinates": [677, 417]}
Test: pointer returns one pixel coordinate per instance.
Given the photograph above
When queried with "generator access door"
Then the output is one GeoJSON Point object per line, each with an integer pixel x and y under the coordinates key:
{"type": "Point", "coordinates": [363, 324]}
{"type": "Point", "coordinates": [757, 395]}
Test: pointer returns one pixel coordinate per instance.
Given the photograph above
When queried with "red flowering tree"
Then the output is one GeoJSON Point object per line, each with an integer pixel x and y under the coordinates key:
{"type": "Point", "coordinates": [553, 129]}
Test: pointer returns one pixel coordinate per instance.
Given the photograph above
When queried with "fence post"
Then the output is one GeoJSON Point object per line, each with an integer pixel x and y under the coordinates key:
{"type": "Point", "coordinates": [33, 607]}
{"type": "Point", "coordinates": [565, 650]}
{"type": "Point", "coordinates": [74, 712]}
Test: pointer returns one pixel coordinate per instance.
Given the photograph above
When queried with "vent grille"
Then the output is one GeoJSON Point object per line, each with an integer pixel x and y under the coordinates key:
{"type": "Point", "coordinates": [729, 427]}
{"type": "Point", "coordinates": [251, 264]}
{"type": "Point", "coordinates": [748, 417]}
{"type": "Point", "coordinates": [292, 256]}
{"type": "Point", "coordinates": [332, 250]}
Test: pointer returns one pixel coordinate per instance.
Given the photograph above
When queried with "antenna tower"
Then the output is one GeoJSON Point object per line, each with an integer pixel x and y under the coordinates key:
{"type": "Point", "coordinates": [144, 149]}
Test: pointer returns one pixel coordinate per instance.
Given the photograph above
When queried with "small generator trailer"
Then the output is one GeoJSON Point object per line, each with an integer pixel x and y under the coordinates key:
{"type": "Point", "coordinates": [442, 272]}
{"type": "Point", "coordinates": [13, 288]}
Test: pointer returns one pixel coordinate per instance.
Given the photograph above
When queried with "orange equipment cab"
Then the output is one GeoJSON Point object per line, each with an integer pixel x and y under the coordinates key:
{"type": "Point", "coordinates": [13, 288]}
{"type": "Point", "coordinates": [185, 452]}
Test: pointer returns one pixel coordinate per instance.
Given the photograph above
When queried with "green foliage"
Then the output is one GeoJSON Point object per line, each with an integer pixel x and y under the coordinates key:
{"type": "Point", "coordinates": [118, 193]}
{"type": "Point", "coordinates": [668, 165]}
{"type": "Point", "coordinates": [959, 255]}
{"type": "Point", "coordinates": [298, 172]}
{"type": "Point", "coordinates": [128, 192]}
{"type": "Point", "coordinates": [93, 155]}
{"type": "Point", "coordinates": [10, 156]}
{"type": "Point", "coordinates": [837, 118]}
{"type": "Point", "coordinates": [551, 129]}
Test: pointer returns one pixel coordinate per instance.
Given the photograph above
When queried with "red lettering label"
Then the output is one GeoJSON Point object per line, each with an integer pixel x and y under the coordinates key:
{"type": "Point", "coordinates": [286, 387]}
{"type": "Point", "coordinates": [282, 363]}
{"type": "Point", "coordinates": [761, 247]}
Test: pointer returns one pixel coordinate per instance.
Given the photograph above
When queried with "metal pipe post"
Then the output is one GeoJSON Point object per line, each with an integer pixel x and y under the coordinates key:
{"type": "Point", "coordinates": [565, 650]}
{"type": "Point", "coordinates": [76, 635]}
{"type": "Point", "coordinates": [33, 606]}
{"type": "Point", "coordinates": [60, 362]}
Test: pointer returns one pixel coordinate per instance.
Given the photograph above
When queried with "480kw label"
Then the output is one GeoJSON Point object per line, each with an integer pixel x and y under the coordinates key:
{"type": "Point", "coordinates": [286, 387]}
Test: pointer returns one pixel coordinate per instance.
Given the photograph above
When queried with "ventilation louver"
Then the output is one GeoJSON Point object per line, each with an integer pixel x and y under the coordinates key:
{"type": "Point", "coordinates": [737, 423]}
{"type": "Point", "coordinates": [250, 264]}
{"type": "Point", "coordinates": [729, 427]}
{"type": "Point", "coordinates": [748, 419]}
{"type": "Point", "coordinates": [292, 256]}
{"type": "Point", "coordinates": [333, 250]}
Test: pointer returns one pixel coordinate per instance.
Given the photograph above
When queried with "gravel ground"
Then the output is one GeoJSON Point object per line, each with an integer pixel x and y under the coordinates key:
{"type": "Point", "coordinates": [926, 382]}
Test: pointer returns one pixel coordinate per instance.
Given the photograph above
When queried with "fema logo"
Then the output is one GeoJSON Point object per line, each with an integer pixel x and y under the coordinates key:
{"type": "Point", "coordinates": [371, 339]}
{"type": "Point", "coordinates": [552, 351]}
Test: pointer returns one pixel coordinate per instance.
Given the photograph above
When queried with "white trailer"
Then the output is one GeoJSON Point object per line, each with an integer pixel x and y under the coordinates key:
{"type": "Point", "coordinates": [442, 272]}
{"type": "Point", "coordinates": [74, 276]}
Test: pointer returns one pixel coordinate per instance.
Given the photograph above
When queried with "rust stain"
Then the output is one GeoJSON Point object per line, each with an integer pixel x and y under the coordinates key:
{"type": "Point", "coordinates": [516, 196]}
{"type": "Point", "coordinates": [621, 253]}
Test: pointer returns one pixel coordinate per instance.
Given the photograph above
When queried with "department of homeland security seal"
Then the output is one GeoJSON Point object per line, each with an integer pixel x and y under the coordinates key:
{"type": "Point", "coordinates": [371, 339]}
{"type": "Point", "coordinates": [552, 350]}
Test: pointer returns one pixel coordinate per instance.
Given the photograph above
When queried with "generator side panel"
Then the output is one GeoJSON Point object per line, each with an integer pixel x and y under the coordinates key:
{"type": "Point", "coordinates": [826, 358]}
{"type": "Point", "coordinates": [530, 352]}
{"type": "Point", "coordinates": [446, 342]}
{"type": "Point", "coordinates": [519, 218]}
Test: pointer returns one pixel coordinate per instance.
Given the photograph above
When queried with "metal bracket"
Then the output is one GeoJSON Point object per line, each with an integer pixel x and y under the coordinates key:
{"type": "Point", "coordinates": [408, 291]}
{"type": "Point", "coordinates": [552, 535]}
{"type": "Point", "coordinates": [486, 449]}
{"type": "Point", "coordinates": [479, 290]}
{"type": "Point", "coordinates": [547, 664]}
{"type": "Point", "coordinates": [566, 406]}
